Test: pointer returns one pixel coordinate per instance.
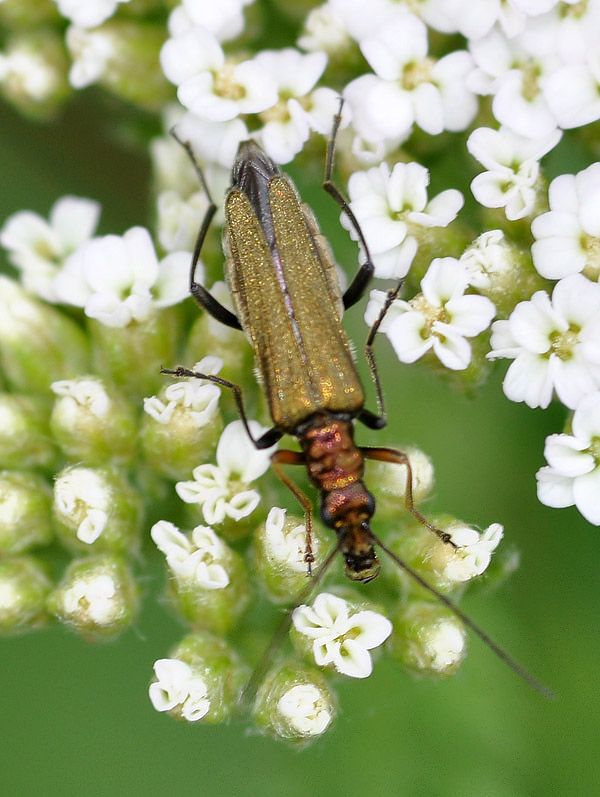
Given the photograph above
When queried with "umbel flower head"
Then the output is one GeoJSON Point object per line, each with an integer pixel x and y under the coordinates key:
{"type": "Point", "coordinates": [102, 456]}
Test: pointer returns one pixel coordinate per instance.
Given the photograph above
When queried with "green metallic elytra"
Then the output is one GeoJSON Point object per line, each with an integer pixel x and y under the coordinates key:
{"type": "Point", "coordinates": [287, 298]}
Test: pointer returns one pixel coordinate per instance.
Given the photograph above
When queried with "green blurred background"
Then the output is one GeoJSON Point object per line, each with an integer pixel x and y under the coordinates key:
{"type": "Point", "coordinates": [75, 718]}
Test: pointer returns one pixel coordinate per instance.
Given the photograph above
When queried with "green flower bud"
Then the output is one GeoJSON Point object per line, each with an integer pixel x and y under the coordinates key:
{"type": "Point", "coordinates": [24, 588]}
{"type": "Point", "coordinates": [428, 639]}
{"type": "Point", "coordinates": [209, 584]}
{"type": "Point", "coordinates": [96, 510]}
{"type": "Point", "coordinates": [97, 597]}
{"type": "Point", "coordinates": [389, 480]}
{"type": "Point", "coordinates": [34, 72]}
{"type": "Point", "coordinates": [132, 356]}
{"type": "Point", "coordinates": [124, 59]}
{"type": "Point", "coordinates": [294, 703]}
{"type": "Point", "coordinates": [181, 426]}
{"type": "Point", "coordinates": [25, 501]}
{"type": "Point", "coordinates": [25, 440]}
{"type": "Point", "coordinates": [92, 423]}
{"type": "Point", "coordinates": [279, 554]}
{"type": "Point", "coordinates": [501, 270]}
{"type": "Point", "coordinates": [200, 681]}
{"type": "Point", "coordinates": [38, 344]}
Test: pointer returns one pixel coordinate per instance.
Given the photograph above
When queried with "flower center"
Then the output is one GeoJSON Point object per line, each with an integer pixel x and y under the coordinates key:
{"type": "Point", "coordinates": [278, 113]}
{"type": "Point", "coordinates": [226, 86]}
{"type": "Point", "coordinates": [416, 73]}
{"type": "Point", "coordinates": [594, 449]}
{"type": "Point", "coordinates": [591, 246]}
{"type": "Point", "coordinates": [563, 343]}
{"type": "Point", "coordinates": [531, 74]}
{"type": "Point", "coordinates": [431, 313]}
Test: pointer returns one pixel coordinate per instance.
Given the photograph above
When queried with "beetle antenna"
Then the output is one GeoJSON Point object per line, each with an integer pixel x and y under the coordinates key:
{"type": "Point", "coordinates": [523, 674]}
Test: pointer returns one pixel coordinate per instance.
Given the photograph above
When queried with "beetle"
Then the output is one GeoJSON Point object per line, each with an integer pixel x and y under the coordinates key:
{"type": "Point", "coordinates": [287, 299]}
{"type": "Point", "coordinates": [282, 278]}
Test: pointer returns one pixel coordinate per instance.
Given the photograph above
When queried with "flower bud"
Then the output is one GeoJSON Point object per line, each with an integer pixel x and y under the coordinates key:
{"type": "Point", "coordinates": [428, 639]}
{"type": "Point", "coordinates": [33, 72]}
{"type": "Point", "coordinates": [25, 440]}
{"type": "Point", "coordinates": [390, 480]}
{"type": "Point", "coordinates": [201, 680]}
{"type": "Point", "coordinates": [92, 423]}
{"type": "Point", "coordinates": [24, 588]}
{"type": "Point", "coordinates": [96, 510]}
{"type": "Point", "coordinates": [294, 703]}
{"type": "Point", "coordinates": [280, 554]}
{"type": "Point", "coordinates": [209, 585]}
{"type": "Point", "coordinates": [25, 501]}
{"type": "Point", "coordinates": [132, 356]}
{"type": "Point", "coordinates": [181, 426]}
{"type": "Point", "coordinates": [122, 57]}
{"type": "Point", "coordinates": [97, 597]}
{"type": "Point", "coordinates": [38, 344]}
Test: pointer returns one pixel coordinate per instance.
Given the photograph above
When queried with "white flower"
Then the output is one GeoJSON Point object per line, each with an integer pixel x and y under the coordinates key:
{"type": "Point", "coordinates": [474, 552]}
{"type": "Point", "coordinates": [573, 91]}
{"type": "Point", "coordinates": [178, 686]}
{"type": "Point", "coordinates": [286, 547]}
{"type": "Point", "coordinates": [91, 51]}
{"type": "Point", "coordinates": [440, 645]}
{"type": "Point", "coordinates": [221, 489]}
{"type": "Point", "coordinates": [88, 13]}
{"type": "Point", "coordinates": [118, 279]}
{"type": "Point", "coordinates": [439, 318]}
{"type": "Point", "coordinates": [555, 344]}
{"type": "Point", "coordinates": [409, 87]}
{"type": "Point", "coordinates": [391, 207]}
{"type": "Point", "coordinates": [287, 124]}
{"type": "Point", "coordinates": [568, 237]}
{"type": "Point", "coordinates": [488, 259]}
{"type": "Point", "coordinates": [192, 558]}
{"type": "Point", "coordinates": [512, 164]}
{"type": "Point", "coordinates": [341, 637]}
{"type": "Point", "coordinates": [213, 143]}
{"type": "Point", "coordinates": [472, 20]}
{"type": "Point", "coordinates": [572, 476]}
{"type": "Point", "coordinates": [82, 495]}
{"type": "Point", "coordinates": [305, 709]}
{"type": "Point", "coordinates": [514, 71]}
{"type": "Point", "coordinates": [212, 87]}
{"type": "Point", "coordinates": [225, 19]}
{"type": "Point", "coordinates": [94, 596]}
{"type": "Point", "coordinates": [199, 398]}
{"type": "Point", "coordinates": [39, 248]}
{"type": "Point", "coordinates": [31, 73]}
{"type": "Point", "coordinates": [324, 30]}
{"type": "Point", "coordinates": [85, 392]}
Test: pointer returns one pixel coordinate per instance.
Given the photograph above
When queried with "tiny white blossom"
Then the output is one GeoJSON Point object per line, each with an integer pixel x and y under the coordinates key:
{"type": "Point", "coordinates": [192, 558]}
{"type": "Point", "coordinates": [39, 248]}
{"type": "Point", "coordinates": [512, 164]}
{"type": "Point", "coordinates": [198, 397]}
{"type": "Point", "coordinates": [88, 13]}
{"type": "Point", "coordinates": [573, 91]}
{"type": "Point", "coordinates": [487, 259]}
{"type": "Point", "coordinates": [514, 71]}
{"type": "Point", "coordinates": [568, 236]}
{"type": "Point", "coordinates": [324, 30]}
{"type": "Point", "coordinates": [225, 19]}
{"type": "Point", "coordinates": [82, 495]}
{"type": "Point", "coordinates": [341, 637]}
{"type": "Point", "coordinates": [441, 645]}
{"type": "Point", "coordinates": [472, 20]}
{"type": "Point", "coordinates": [31, 74]}
{"type": "Point", "coordinates": [91, 51]}
{"type": "Point", "coordinates": [118, 279]}
{"type": "Point", "coordinates": [82, 392]}
{"type": "Point", "coordinates": [287, 547]}
{"type": "Point", "coordinates": [572, 476]}
{"type": "Point", "coordinates": [391, 208]}
{"type": "Point", "coordinates": [213, 143]}
{"type": "Point", "coordinates": [178, 686]}
{"type": "Point", "coordinates": [555, 344]}
{"type": "Point", "coordinates": [221, 489]}
{"type": "Point", "coordinates": [95, 596]}
{"type": "Point", "coordinates": [304, 708]}
{"type": "Point", "coordinates": [409, 87]}
{"type": "Point", "coordinates": [474, 551]}
{"type": "Point", "coordinates": [440, 318]}
{"type": "Point", "coordinates": [288, 123]}
{"type": "Point", "coordinates": [211, 86]}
